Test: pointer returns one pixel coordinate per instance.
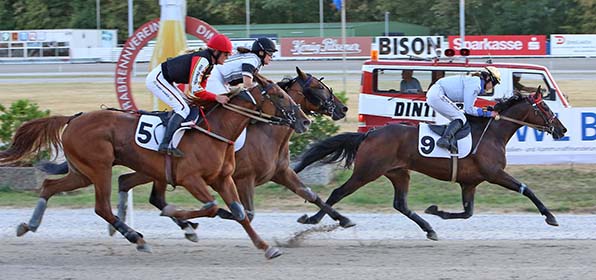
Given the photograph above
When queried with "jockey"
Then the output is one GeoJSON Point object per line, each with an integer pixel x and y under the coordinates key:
{"type": "Point", "coordinates": [240, 68]}
{"type": "Point", "coordinates": [193, 69]}
{"type": "Point", "coordinates": [446, 91]}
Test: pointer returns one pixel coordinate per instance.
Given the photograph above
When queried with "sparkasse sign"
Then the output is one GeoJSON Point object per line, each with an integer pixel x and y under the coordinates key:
{"type": "Point", "coordinates": [501, 44]}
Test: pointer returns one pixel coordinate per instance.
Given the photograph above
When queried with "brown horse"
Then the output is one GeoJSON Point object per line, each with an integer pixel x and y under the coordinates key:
{"type": "Point", "coordinates": [392, 151]}
{"type": "Point", "coordinates": [258, 163]}
{"type": "Point", "coordinates": [207, 160]}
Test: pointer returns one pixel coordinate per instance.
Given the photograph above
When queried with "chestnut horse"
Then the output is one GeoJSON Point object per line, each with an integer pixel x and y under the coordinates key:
{"type": "Point", "coordinates": [392, 151]}
{"type": "Point", "coordinates": [264, 157]}
{"type": "Point", "coordinates": [207, 161]}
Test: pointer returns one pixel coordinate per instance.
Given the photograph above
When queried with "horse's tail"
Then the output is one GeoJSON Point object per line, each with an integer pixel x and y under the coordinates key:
{"type": "Point", "coordinates": [53, 168]}
{"type": "Point", "coordinates": [34, 135]}
{"type": "Point", "coordinates": [333, 149]}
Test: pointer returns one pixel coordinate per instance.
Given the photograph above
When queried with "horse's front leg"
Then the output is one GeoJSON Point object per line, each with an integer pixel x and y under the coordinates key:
{"type": "Point", "coordinates": [400, 178]}
{"type": "Point", "coordinates": [227, 190]}
{"type": "Point", "coordinates": [503, 179]}
{"type": "Point", "coordinates": [199, 190]}
{"type": "Point", "coordinates": [467, 195]}
{"type": "Point", "coordinates": [290, 180]}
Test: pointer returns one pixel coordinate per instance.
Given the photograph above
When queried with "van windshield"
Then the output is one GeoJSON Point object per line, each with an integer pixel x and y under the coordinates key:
{"type": "Point", "coordinates": [410, 81]}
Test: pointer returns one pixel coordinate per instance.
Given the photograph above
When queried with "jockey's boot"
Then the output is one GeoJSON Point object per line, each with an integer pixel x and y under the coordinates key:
{"type": "Point", "coordinates": [173, 124]}
{"type": "Point", "coordinates": [448, 141]}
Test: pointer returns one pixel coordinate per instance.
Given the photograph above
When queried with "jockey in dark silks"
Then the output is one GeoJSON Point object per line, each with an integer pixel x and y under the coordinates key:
{"type": "Point", "coordinates": [193, 69]}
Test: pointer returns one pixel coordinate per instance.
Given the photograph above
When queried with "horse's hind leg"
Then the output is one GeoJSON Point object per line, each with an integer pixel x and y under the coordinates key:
{"type": "Point", "coordinates": [290, 180]}
{"type": "Point", "coordinates": [360, 177]}
{"type": "Point", "coordinates": [507, 181]}
{"type": "Point", "coordinates": [467, 196]}
{"type": "Point", "coordinates": [400, 178]}
{"type": "Point", "coordinates": [71, 181]}
{"type": "Point", "coordinates": [101, 177]}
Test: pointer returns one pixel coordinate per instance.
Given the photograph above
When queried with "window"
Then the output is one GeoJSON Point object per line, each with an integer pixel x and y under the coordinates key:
{"type": "Point", "coordinates": [526, 83]}
{"type": "Point", "coordinates": [389, 80]}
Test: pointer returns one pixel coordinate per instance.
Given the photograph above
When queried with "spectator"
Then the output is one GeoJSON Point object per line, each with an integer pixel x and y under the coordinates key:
{"type": "Point", "coordinates": [409, 84]}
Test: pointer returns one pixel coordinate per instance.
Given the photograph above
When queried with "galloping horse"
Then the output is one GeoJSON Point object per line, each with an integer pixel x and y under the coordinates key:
{"type": "Point", "coordinates": [265, 156]}
{"type": "Point", "coordinates": [207, 160]}
{"type": "Point", "coordinates": [392, 151]}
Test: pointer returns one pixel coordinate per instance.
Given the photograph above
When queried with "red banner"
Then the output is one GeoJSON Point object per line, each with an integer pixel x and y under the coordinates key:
{"type": "Point", "coordinates": [501, 44]}
{"type": "Point", "coordinates": [325, 47]}
{"type": "Point", "coordinates": [136, 42]}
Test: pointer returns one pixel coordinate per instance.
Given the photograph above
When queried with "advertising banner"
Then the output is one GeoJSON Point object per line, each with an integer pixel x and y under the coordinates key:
{"type": "Point", "coordinates": [530, 146]}
{"type": "Point", "coordinates": [405, 46]}
{"type": "Point", "coordinates": [495, 45]}
{"type": "Point", "coordinates": [325, 47]}
{"type": "Point", "coordinates": [573, 45]}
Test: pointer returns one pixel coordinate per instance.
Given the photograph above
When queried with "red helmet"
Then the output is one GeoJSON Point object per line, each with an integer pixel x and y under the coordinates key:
{"type": "Point", "coordinates": [221, 43]}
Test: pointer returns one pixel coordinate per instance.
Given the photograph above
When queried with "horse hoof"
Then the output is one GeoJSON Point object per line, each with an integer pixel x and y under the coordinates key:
{"type": "Point", "coordinates": [433, 209]}
{"type": "Point", "coordinates": [272, 252]}
{"type": "Point", "coordinates": [22, 229]}
{"type": "Point", "coordinates": [191, 237]}
{"type": "Point", "coordinates": [552, 221]}
{"type": "Point", "coordinates": [111, 230]}
{"type": "Point", "coordinates": [303, 219]}
{"type": "Point", "coordinates": [346, 223]}
{"type": "Point", "coordinates": [144, 247]}
{"type": "Point", "coordinates": [432, 236]}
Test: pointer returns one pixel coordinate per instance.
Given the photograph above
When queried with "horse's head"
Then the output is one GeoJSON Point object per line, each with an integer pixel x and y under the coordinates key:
{"type": "Point", "coordinates": [273, 100]}
{"type": "Point", "coordinates": [537, 113]}
{"type": "Point", "coordinates": [314, 96]}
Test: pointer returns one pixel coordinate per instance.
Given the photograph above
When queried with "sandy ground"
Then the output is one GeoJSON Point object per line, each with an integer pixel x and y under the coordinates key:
{"type": "Point", "coordinates": [73, 244]}
{"type": "Point", "coordinates": [328, 259]}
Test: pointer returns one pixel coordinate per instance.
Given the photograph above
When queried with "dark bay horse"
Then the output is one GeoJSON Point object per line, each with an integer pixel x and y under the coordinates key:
{"type": "Point", "coordinates": [94, 142]}
{"type": "Point", "coordinates": [265, 156]}
{"type": "Point", "coordinates": [392, 151]}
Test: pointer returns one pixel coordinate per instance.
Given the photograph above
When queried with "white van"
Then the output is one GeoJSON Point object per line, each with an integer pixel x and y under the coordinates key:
{"type": "Point", "coordinates": [381, 102]}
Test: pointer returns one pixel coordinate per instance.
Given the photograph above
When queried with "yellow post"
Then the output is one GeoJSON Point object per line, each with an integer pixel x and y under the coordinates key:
{"type": "Point", "coordinates": [171, 39]}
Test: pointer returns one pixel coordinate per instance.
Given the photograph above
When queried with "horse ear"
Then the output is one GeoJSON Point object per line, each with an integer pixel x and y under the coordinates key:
{"type": "Point", "coordinates": [301, 74]}
{"type": "Point", "coordinates": [538, 94]}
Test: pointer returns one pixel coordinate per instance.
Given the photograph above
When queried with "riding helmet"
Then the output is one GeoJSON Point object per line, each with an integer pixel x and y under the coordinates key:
{"type": "Point", "coordinates": [493, 74]}
{"type": "Point", "coordinates": [263, 44]}
{"type": "Point", "coordinates": [221, 43]}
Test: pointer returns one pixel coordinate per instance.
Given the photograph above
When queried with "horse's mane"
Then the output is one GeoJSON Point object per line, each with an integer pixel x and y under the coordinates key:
{"type": "Point", "coordinates": [506, 103]}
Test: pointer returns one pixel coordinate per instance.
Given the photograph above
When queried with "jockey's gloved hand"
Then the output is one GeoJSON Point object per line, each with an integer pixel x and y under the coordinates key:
{"type": "Point", "coordinates": [489, 108]}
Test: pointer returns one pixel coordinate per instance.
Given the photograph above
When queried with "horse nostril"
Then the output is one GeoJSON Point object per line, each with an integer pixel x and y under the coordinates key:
{"type": "Point", "coordinates": [344, 109]}
{"type": "Point", "coordinates": [306, 122]}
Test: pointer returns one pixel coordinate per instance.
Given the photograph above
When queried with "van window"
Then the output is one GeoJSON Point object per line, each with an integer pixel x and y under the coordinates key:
{"type": "Point", "coordinates": [526, 83]}
{"type": "Point", "coordinates": [393, 80]}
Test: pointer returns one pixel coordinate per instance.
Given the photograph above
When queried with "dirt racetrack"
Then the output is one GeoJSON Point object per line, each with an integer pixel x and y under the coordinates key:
{"type": "Point", "coordinates": [36, 258]}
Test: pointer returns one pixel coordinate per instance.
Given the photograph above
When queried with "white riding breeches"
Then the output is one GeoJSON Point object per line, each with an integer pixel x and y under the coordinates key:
{"type": "Point", "coordinates": [436, 98]}
{"type": "Point", "coordinates": [166, 92]}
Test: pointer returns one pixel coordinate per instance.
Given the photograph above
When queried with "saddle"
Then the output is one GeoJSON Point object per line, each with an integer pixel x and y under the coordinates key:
{"type": "Point", "coordinates": [166, 115]}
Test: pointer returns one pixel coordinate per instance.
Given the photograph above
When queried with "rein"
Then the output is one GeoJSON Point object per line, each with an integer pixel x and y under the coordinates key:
{"type": "Point", "coordinates": [538, 127]}
{"type": "Point", "coordinates": [256, 115]}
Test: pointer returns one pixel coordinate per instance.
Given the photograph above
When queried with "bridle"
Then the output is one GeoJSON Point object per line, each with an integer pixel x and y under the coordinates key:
{"type": "Point", "coordinates": [288, 117]}
{"type": "Point", "coordinates": [328, 105]}
{"type": "Point", "coordinates": [538, 110]}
